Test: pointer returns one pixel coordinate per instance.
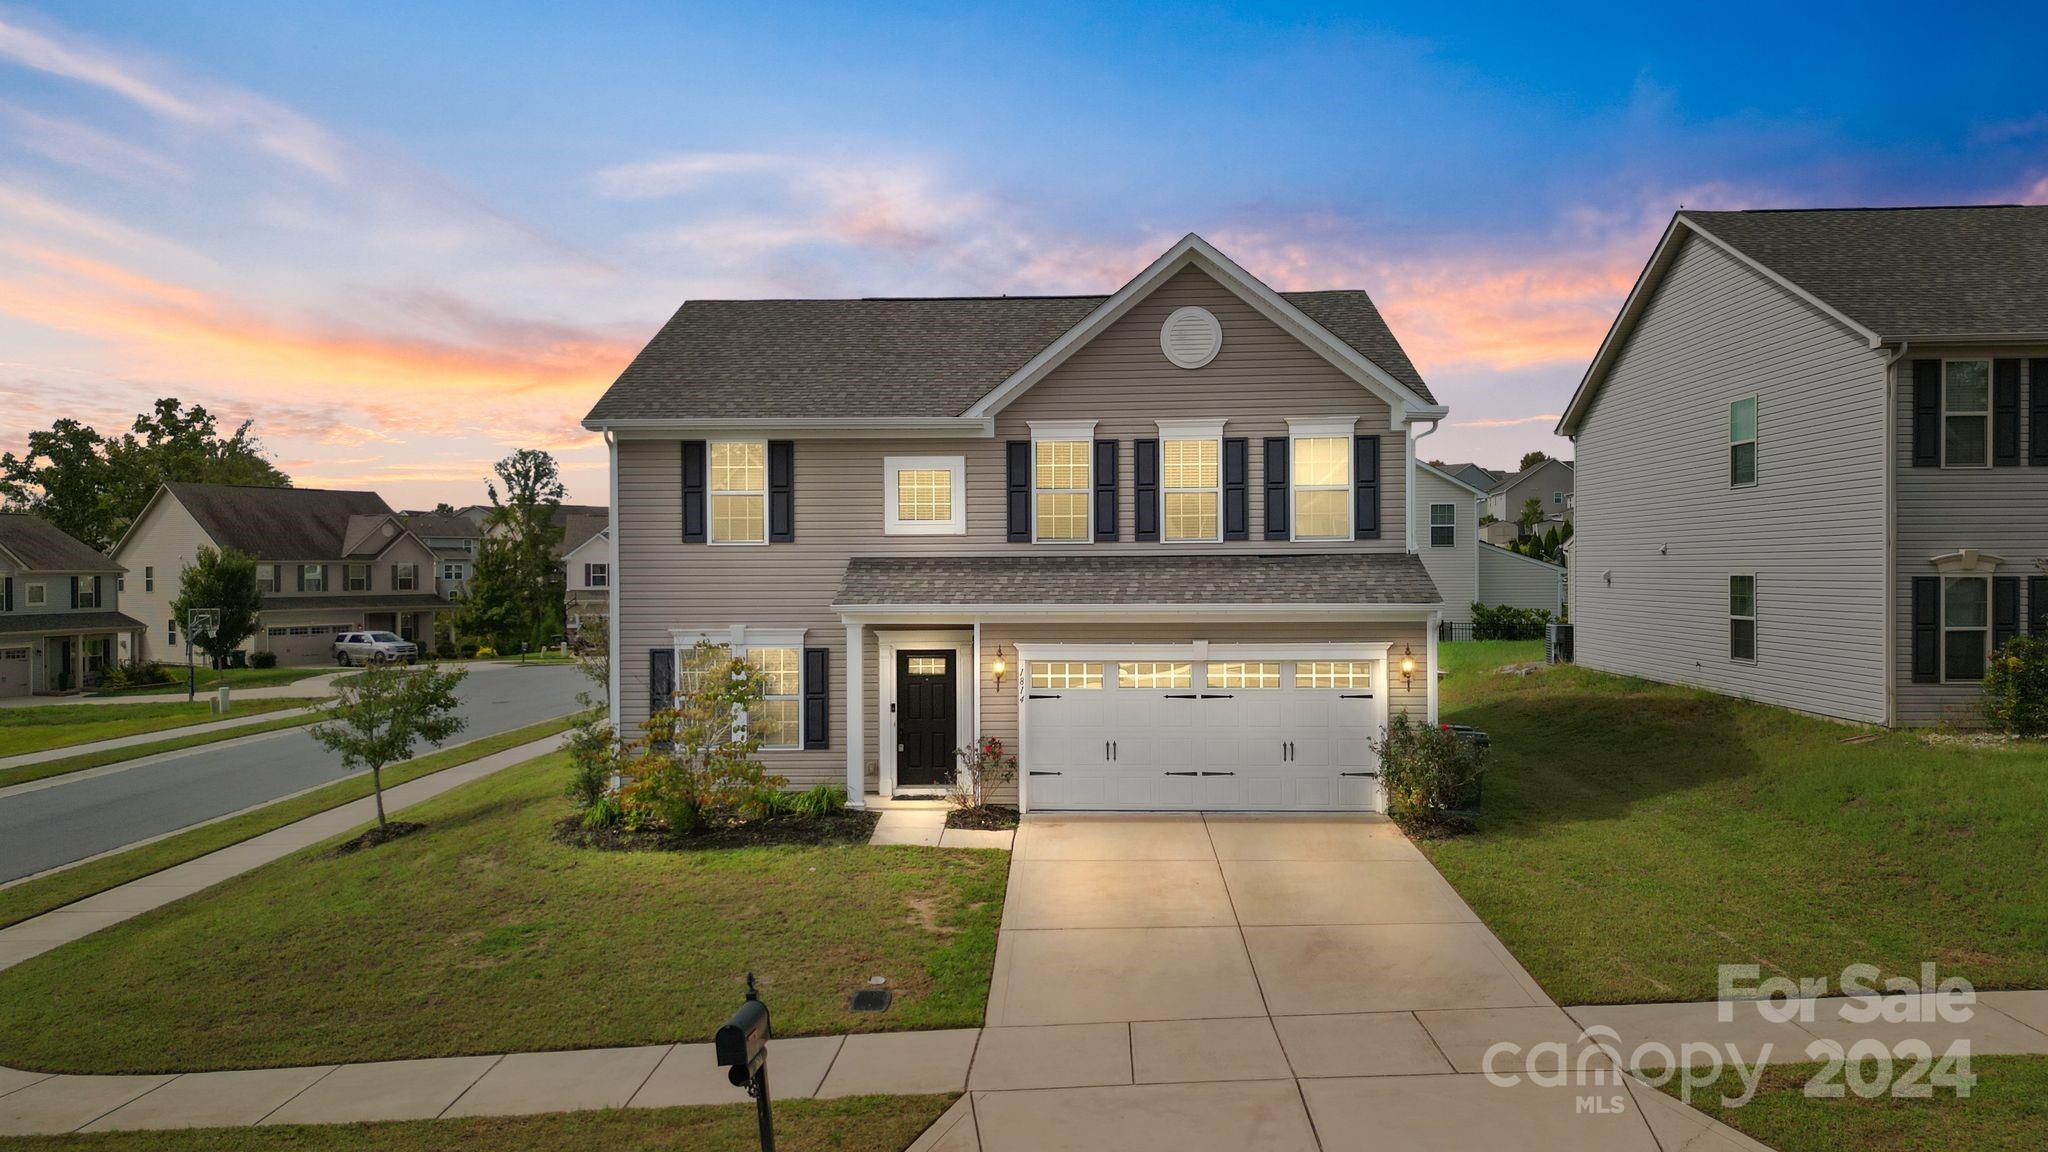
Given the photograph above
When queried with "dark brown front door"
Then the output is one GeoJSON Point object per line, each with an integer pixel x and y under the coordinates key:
{"type": "Point", "coordinates": [927, 727]}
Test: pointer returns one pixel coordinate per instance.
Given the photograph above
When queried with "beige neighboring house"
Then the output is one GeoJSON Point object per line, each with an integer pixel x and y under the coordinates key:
{"type": "Point", "coordinates": [328, 561]}
{"type": "Point", "coordinates": [1465, 565]}
{"type": "Point", "coordinates": [1158, 542]}
{"type": "Point", "coordinates": [452, 537]}
{"type": "Point", "coordinates": [587, 582]}
{"type": "Point", "coordinates": [1549, 483]}
{"type": "Point", "coordinates": [61, 623]}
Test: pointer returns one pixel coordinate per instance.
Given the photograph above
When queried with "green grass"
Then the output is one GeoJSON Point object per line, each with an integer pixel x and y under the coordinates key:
{"type": "Point", "coordinates": [2007, 1109]}
{"type": "Point", "coordinates": [35, 897]}
{"type": "Point", "coordinates": [210, 680]}
{"type": "Point", "coordinates": [1636, 835]}
{"type": "Point", "coordinates": [482, 934]}
{"type": "Point", "coordinates": [40, 727]}
{"type": "Point", "coordinates": [82, 761]}
{"type": "Point", "coordinates": [853, 1124]}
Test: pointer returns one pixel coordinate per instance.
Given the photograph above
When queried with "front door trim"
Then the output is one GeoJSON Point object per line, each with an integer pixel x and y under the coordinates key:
{"type": "Point", "coordinates": [966, 716]}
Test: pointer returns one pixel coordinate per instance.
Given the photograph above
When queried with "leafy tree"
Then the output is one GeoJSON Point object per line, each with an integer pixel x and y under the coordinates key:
{"type": "Point", "coordinates": [380, 714]}
{"type": "Point", "coordinates": [516, 584]}
{"type": "Point", "coordinates": [1550, 543]}
{"type": "Point", "coordinates": [444, 508]}
{"type": "Point", "coordinates": [1532, 511]}
{"type": "Point", "coordinates": [226, 580]}
{"type": "Point", "coordinates": [93, 486]}
{"type": "Point", "coordinates": [1531, 459]}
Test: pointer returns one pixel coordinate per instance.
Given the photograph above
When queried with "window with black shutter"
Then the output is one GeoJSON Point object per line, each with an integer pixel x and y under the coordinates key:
{"type": "Point", "coordinates": [781, 491]}
{"type": "Point", "coordinates": [1145, 488]}
{"type": "Point", "coordinates": [1017, 489]}
{"type": "Point", "coordinates": [1366, 470]}
{"type": "Point", "coordinates": [695, 521]}
{"type": "Point", "coordinates": [1106, 480]}
{"type": "Point", "coordinates": [1237, 524]}
{"type": "Point", "coordinates": [1926, 629]}
{"type": "Point", "coordinates": [817, 698]}
{"type": "Point", "coordinates": [1276, 488]}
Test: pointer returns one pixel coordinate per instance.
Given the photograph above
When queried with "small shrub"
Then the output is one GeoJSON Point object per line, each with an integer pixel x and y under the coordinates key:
{"type": "Point", "coordinates": [486, 653]}
{"type": "Point", "coordinates": [1427, 772]}
{"type": "Point", "coordinates": [605, 813]}
{"type": "Point", "coordinates": [263, 660]}
{"type": "Point", "coordinates": [984, 768]}
{"type": "Point", "coordinates": [136, 674]}
{"type": "Point", "coordinates": [2015, 699]}
{"type": "Point", "coordinates": [593, 760]}
{"type": "Point", "coordinates": [1507, 622]}
{"type": "Point", "coordinates": [823, 800]}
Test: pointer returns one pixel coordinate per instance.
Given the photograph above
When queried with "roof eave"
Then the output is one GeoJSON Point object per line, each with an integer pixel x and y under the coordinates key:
{"type": "Point", "coordinates": [1053, 613]}
{"type": "Point", "coordinates": [801, 427]}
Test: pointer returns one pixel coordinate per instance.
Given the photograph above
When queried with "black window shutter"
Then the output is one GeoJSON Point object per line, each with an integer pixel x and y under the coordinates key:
{"type": "Point", "coordinates": [1105, 491]}
{"type": "Point", "coordinates": [661, 679]}
{"type": "Point", "coordinates": [1365, 480]}
{"type": "Point", "coordinates": [74, 592]}
{"type": "Point", "coordinates": [301, 570]}
{"type": "Point", "coordinates": [7, 596]}
{"type": "Point", "coordinates": [2037, 404]}
{"type": "Point", "coordinates": [694, 511]}
{"type": "Point", "coordinates": [1926, 413]}
{"type": "Point", "coordinates": [1926, 629]}
{"type": "Point", "coordinates": [2005, 413]}
{"type": "Point", "coordinates": [2005, 610]}
{"type": "Point", "coordinates": [1019, 457]}
{"type": "Point", "coordinates": [1276, 488]}
{"type": "Point", "coordinates": [1237, 514]}
{"type": "Point", "coordinates": [327, 577]}
{"type": "Point", "coordinates": [817, 698]}
{"type": "Point", "coordinates": [781, 491]}
{"type": "Point", "coordinates": [1145, 488]}
{"type": "Point", "coordinates": [2037, 605]}
{"type": "Point", "coordinates": [96, 601]}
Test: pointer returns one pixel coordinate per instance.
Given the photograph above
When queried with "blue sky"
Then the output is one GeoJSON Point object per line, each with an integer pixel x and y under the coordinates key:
{"type": "Point", "coordinates": [405, 241]}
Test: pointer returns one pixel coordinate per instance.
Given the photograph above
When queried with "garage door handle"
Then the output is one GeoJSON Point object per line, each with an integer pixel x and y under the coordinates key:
{"type": "Point", "coordinates": [1216, 696]}
{"type": "Point", "coordinates": [1374, 775]}
{"type": "Point", "coordinates": [1043, 696]}
{"type": "Point", "coordinates": [1356, 696]}
{"type": "Point", "coordinates": [1183, 773]}
{"type": "Point", "coordinates": [1219, 773]}
{"type": "Point", "coordinates": [1035, 772]}
{"type": "Point", "coordinates": [1182, 696]}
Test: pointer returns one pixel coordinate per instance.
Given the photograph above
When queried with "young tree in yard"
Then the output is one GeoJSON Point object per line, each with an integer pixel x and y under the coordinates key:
{"type": "Point", "coordinates": [1532, 511]}
{"type": "Point", "coordinates": [515, 589]}
{"type": "Point", "coordinates": [222, 579]}
{"type": "Point", "coordinates": [379, 715]}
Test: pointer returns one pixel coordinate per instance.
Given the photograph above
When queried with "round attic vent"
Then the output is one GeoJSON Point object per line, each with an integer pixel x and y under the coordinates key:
{"type": "Point", "coordinates": [1191, 337]}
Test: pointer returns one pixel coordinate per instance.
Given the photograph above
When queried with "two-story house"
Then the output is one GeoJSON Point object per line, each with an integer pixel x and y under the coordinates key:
{"type": "Point", "coordinates": [587, 583]}
{"type": "Point", "coordinates": [1465, 567]}
{"type": "Point", "coordinates": [1548, 482]}
{"type": "Point", "coordinates": [452, 537]}
{"type": "Point", "coordinates": [327, 562]}
{"type": "Point", "coordinates": [1851, 409]}
{"type": "Point", "coordinates": [1158, 542]}
{"type": "Point", "coordinates": [61, 622]}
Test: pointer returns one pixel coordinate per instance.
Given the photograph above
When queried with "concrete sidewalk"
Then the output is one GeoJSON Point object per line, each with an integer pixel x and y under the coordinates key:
{"type": "Point", "coordinates": [312, 686]}
{"type": "Point", "coordinates": [158, 736]}
{"type": "Point", "coordinates": [36, 936]}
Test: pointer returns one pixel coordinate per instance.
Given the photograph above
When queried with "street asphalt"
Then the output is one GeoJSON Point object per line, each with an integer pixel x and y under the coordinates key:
{"type": "Point", "coordinates": [50, 826]}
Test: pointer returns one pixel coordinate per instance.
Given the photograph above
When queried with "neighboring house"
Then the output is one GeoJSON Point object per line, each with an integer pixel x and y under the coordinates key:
{"type": "Point", "coordinates": [1481, 478]}
{"type": "Point", "coordinates": [1463, 566]}
{"type": "Point", "coordinates": [61, 622]}
{"type": "Point", "coordinates": [1851, 408]}
{"type": "Point", "coordinates": [452, 538]}
{"type": "Point", "coordinates": [587, 590]}
{"type": "Point", "coordinates": [1548, 482]}
{"type": "Point", "coordinates": [328, 562]}
{"type": "Point", "coordinates": [1158, 542]}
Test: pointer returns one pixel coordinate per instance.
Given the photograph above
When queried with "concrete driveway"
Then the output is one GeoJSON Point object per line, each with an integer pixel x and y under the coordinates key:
{"type": "Point", "coordinates": [1275, 982]}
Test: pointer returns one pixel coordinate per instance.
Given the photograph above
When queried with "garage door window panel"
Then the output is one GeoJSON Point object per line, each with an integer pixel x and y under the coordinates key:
{"type": "Point", "coordinates": [1066, 674]}
{"type": "Point", "coordinates": [1252, 676]}
{"type": "Point", "coordinates": [1344, 675]}
{"type": "Point", "coordinates": [1154, 674]}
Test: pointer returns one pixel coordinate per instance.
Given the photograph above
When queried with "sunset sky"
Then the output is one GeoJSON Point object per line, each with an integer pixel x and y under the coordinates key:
{"type": "Point", "coordinates": [407, 238]}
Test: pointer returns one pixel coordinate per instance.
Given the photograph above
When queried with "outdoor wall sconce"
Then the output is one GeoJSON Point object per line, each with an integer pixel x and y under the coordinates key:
{"type": "Point", "coordinates": [1408, 665]}
{"type": "Point", "coordinates": [998, 668]}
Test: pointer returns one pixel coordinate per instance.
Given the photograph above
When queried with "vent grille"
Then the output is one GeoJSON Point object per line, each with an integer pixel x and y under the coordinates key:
{"type": "Point", "coordinates": [1191, 337]}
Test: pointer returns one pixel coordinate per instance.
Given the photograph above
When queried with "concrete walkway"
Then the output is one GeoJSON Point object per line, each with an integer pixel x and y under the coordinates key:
{"type": "Point", "coordinates": [38, 935]}
{"type": "Point", "coordinates": [924, 822]}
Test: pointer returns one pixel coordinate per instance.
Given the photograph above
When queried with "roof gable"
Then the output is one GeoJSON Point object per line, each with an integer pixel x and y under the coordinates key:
{"type": "Point", "coordinates": [36, 545]}
{"type": "Point", "coordinates": [1450, 477]}
{"type": "Point", "coordinates": [274, 524]}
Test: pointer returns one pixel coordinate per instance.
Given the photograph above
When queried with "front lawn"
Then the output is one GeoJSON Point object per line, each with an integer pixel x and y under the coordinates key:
{"type": "Point", "coordinates": [1637, 835]}
{"type": "Point", "coordinates": [39, 727]}
{"type": "Point", "coordinates": [2007, 1111]}
{"type": "Point", "coordinates": [64, 765]}
{"type": "Point", "coordinates": [211, 680]}
{"type": "Point", "coordinates": [482, 934]}
{"type": "Point", "coordinates": [852, 1124]}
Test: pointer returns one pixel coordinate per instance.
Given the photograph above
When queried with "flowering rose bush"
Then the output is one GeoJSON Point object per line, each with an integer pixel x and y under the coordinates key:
{"type": "Point", "coordinates": [984, 768]}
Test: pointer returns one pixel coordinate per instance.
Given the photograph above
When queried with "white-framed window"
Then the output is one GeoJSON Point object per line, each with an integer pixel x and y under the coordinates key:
{"type": "Point", "coordinates": [149, 578]}
{"type": "Point", "coordinates": [1068, 674]}
{"type": "Point", "coordinates": [1557, 497]}
{"type": "Point", "coordinates": [597, 575]}
{"type": "Point", "coordinates": [1742, 442]}
{"type": "Point", "coordinates": [924, 495]}
{"type": "Point", "coordinates": [739, 491]}
{"type": "Point", "coordinates": [1320, 459]}
{"type": "Point", "coordinates": [88, 594]}
{"type": "Point", "coordinates": [451, 570]}
{"type": "Point", "coordinates": [1244, 674]}
{"type": "Point", "coordinates": [405, 577]}
{"type": "Point", "coordinates": [1351, 675]}
{"type": "Point", "coordinates": [1443, 525]}
{"type": "Point", "coordinates": [1742, 616]}
{"type": "Point", "coordinates": [314, 576]}
{"type": "Point", "coordinates": [171, 632]}
{"type": "Point", "coordinates": [776, 719]}
{"type": "Point", "coordinates": [38, 595]}
{"type": "Point", "coordinates": [694, 663]}
{"type": "Point", "coordinates": [266, 577]}
{"type": "Point", "coordinates": [1965, 627]}
{"type": "Point", "coordinates": [1191, 482]}
{"type": "Point", "coordinates": [1155, 674]}
{"type": "Point", "coordinates": [1062, 474]}
{"type": "Point", "coordinates": [1966, 413]}
{"type": "Point", "coordinates": [358, 576]}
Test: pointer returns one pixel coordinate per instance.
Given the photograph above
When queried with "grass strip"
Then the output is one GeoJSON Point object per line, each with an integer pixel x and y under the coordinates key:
{"type": "Point", "coordinates": [237, 678]}
{"type": "Point", "coordinates": [42, 727]}
{"type": "Point", "coordinates": [2006, 1110]}
{"type": "Point", "coordinates": [36, 897]}
{"type": "Point", "coordinates": [79, 763]}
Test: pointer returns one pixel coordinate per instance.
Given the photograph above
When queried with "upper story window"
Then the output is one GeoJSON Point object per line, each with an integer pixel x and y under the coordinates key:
{"type": "Point", "coordinates": [148, 578]}
{"type": "Point", "coordinates": [1966, 413]}
{"type": "Point", "coordinates": [597, 575]}
{"type": "Point", "coordinates": [739, 491]}
{"type": "Point", "coordinates": [38, 595]}
{"type": "Point", "coordinates": [405, 577]}
{"type": "Point", "coordinates": [266, 577]}
{"type": "Point", "coordinates": [1742, 616]}
{"type": "Point", "coordinates": [358, 577]}
{"type": "Point", "coordinates": [1965, 626]}
{"type": "Point", "coordinates": [1443, 525]}
{"type": "Point", "coordinates": [88, 593]}
{"type": "Point", "coordinates": [1061, 473]}
{"type": "Point", "coordinates": [1322, 487]}
{"type": "Point", "coordinates": [1191, 482]}
{"type": "Point", "coordinates": [924, 495]}
{"type": "Point", "coordinates": [313, 577]}
{"type": "Point", "coordinates": [1742, 442]}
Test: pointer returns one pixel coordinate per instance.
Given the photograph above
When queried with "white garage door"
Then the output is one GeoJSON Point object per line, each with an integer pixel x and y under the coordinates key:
{"type": "Point", "coordinates": [14, 672]}
{"type": "Point", "coordinates": [1246, 734]}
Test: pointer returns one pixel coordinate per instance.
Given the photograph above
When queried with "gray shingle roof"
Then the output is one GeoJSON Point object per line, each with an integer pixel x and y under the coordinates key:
{"type": "Point", "coordinates": [1233, 578]}
{"type": "Point", "coordinates": [56, 623]}
{"type": "Point", "coordinates": [43, 547]}
{"type": "Point", "coordinates": [1903, 272]}
{"type": "Point", "coordinates": [277, 523]}
{"type": "Point", "coordinates": [361, 601]}
{"type": "Point", "coordinates": [890, 357]}
{"type": "Point", "coordinates": [448, 526]}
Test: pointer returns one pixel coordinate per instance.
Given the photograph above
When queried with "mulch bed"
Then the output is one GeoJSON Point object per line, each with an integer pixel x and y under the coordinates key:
{"type": "Point", "coordinates": [844, 827]}
{"type": "Point", "coordinates": [375, 836]}
{"type": "Point", "coordinates": [986, 818]}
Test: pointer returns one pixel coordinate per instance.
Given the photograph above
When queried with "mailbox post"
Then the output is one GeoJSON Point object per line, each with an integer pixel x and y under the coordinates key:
{"type": "Point", "coordinates": [742, 1050]}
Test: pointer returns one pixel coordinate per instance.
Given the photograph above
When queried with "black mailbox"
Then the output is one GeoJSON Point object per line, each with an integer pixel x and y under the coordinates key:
{"type": "Point", "coordinates": [742, 1044]}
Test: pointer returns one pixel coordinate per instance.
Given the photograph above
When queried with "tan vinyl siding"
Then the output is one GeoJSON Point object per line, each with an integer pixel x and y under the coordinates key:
{"type": "Point", "coordinates": [167, 538]}
{"type": "Point", "coordinates": [1509, 578]}
{"type": "Point", "coordinates": [1454, 570]}
{"type": "Point", "coordinates": [1654, 507]}
{"type": "Point", "coordinates": [2002, 511]}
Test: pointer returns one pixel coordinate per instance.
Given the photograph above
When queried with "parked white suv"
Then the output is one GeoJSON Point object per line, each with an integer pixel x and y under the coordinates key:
{"type": "Point", "coordinates": [374, 648]}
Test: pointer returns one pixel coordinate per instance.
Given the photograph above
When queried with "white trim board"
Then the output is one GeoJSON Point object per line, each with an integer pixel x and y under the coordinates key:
{"type": "Point", "coordinates": [966, 721]}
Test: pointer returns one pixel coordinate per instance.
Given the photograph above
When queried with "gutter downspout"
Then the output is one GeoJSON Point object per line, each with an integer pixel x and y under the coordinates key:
{"type": "Point", "coordinates": [611, 444]}
{"type": "Point", "coordinates": [1891, 535]}
{"type": "Point", "coordinates": [1413, 439]}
